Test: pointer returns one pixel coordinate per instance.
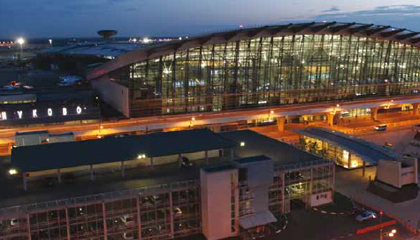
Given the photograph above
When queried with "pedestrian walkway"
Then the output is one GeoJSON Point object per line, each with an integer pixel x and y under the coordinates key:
{"type": "Point", "coordinates": [352, 185]}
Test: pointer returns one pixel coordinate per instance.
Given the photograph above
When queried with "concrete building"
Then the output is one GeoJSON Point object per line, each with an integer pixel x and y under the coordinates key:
{"type": "Point", "coordinates": [24, 107]}
{"type": "Point", "coordinates": [237, 192]}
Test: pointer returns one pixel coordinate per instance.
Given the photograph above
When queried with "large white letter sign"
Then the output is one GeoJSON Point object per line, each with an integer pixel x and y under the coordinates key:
{"type": "Point", "coordinates": [79, 110]}
{"type": "Point", "coordinates": [49, 111]}
{"type": "Point", "coordinates": [64, 111]}
{"type": "Point", "coordinates": [20, 113]}
{"type": "Point", "coordinates": [4, 115]}
{"type": "Point", "coordinates": [34, 114]}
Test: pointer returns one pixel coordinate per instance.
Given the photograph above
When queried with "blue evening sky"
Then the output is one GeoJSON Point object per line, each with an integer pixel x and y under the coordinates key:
{"type": "Point", "coordinates": [82, 18]}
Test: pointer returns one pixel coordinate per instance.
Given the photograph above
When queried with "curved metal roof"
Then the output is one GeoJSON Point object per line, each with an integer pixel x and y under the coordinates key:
{"type": "Point", "coordinates": [380, 32]}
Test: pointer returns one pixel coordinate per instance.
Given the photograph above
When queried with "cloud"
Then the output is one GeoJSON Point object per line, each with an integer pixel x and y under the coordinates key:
{"type": "Point", "coordinates": [131, 9]}
{"type": "Point", "coordinates": [332, 9]}
{"type": "Point", "coordinates": [403, 16]}
{"type": "Point", "coordinates": [401, 10]}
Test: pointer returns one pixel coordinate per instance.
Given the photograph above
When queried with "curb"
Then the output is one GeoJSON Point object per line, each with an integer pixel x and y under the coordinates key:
{"type": "Point", "coordinates": [285, 225]}
{"type": "Point", "coordinates": [331, 213]}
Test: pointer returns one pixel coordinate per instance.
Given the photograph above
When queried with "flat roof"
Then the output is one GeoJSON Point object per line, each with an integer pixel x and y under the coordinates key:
{"type": "Point", "coordinates": [213, 169]}
{"type": "Point", "coordinates": [258, 144]}
{"type": "Point", "coordinates": [12, 193]}
{"type": "Point", "coordinates": [367, 150]}
{"type": "Point", "coordinates": [108, 150]}
{"type": "Point", "coordinates": [96, 49]}
{"type": "Point", "coordinates": [31, 133]}
{"type": "Point", "coordinates": [254, 159]}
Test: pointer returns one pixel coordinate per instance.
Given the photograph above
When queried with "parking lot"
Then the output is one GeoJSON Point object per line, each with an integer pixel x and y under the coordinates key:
{"type": "Point", "coordinates": [307, 224]}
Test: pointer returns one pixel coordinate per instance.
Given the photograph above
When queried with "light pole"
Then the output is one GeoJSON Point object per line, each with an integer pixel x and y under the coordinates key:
{"type": "Point", "coordinates": [21, 41]}
{"type": "Point", "coordinates": [381, 236]}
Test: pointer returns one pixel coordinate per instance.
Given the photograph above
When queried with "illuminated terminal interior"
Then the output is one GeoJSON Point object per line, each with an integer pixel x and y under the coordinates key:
{"type": "Point", "coordinates": [267, 66]}
{"type": "Point", "coordinates": [344, 150]}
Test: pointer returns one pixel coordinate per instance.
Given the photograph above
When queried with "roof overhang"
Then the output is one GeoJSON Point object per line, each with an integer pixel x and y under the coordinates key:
{"type": "Point", "coordinates": [334, 28]}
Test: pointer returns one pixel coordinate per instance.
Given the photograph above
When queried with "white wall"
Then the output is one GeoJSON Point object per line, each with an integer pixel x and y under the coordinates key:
{"type": "Point", "coordinates": [392, 172]}
{"type": "Point", "coordinates": [216, 203]}
{"type": "Point", "coordinates": [321, 199]}
{"type": "Point", "coordinates": [30, 139]}
{"type": "Point", "coordinates": [389, 172]}
{"type": "Point", "coordinates": [113, 93]}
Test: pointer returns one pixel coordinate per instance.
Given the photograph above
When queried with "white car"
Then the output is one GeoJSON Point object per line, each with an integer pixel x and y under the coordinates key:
{"type": "Point", "coordinates": [127, 220]}
{"type": "Point", "coordinates": [366, 215]}
{"type": "Point", "coordinates": [297, 188]}
{"type": "Point", "coordinates": [381, 127]}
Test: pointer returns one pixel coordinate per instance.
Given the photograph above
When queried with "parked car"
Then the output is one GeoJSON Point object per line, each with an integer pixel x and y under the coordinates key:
{"type": "Point", "coordinates": [388, 145]}
{"type": "Point", "coordinates": [381, 127]}
{"type": "Point", "coordinates": [129, 235]}
{"type": "Point", "coordinates": [366, 215]}
{"type": "Point", "coordinates": [177, 211]}
{"type": "Point", "coordinates": [297, 188]}
{"type": "Point", "coordinates": [257, 235]}
{"type": "Point", "coordinates": [185, 162]}
{"type": "Point", "coordinates": [127, 220]}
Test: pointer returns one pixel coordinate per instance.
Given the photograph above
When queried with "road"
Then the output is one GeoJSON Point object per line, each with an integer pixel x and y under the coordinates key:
{"type": "Point", "coordinates": [201, 119]}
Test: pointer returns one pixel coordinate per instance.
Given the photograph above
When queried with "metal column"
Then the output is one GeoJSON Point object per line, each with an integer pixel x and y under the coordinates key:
{"type": "Point", "coordinates": [28, 223]}
{"type": "Point", "coordinates": [122, 169]}
{"type": "Point", "coordinates": [138, 219]}
{"type": "Point", "coordinates": [171, 214]}
{"type": "Point", "coordinates": [67, 223]}
{"type": "Point", "coordinates": [283, 188]}
{"type": "Point", "coordinates": [104, 221]}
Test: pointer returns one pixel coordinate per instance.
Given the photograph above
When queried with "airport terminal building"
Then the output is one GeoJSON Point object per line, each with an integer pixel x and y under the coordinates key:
{"type": "Point", "coordinates": [238, 183]}
{"type": "Point", "coordinates": [263, 67]}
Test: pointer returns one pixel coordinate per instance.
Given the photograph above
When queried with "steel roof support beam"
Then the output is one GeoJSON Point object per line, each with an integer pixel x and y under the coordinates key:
{"type": "Point", "coordinates": [360, 28]}
{"type": "Point", "coordinates": [316, 29]}
{"type": "Point", "coordinates": [280, 28]}
{"type": "Point", "coordinates": [376, 30]}
{"type": "Point", "coordinates": [231, 35]}
{"type": "Point", "coordinates": [415, 40]}
{"type": "Point", "coordinates": [299, 27]}
{"type": "Point", "coordinates": [408, 35]}
{"type": "Point", "coordinates": [336, 29]}
{"type": "Point", "coordinates": [392, 33]}
{"type": "Point", "coordinates": [255, 32]}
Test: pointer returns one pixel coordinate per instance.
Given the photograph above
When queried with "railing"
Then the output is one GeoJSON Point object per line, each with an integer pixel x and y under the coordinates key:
{"type": "Point", "coordinates": [129, 193]}
{"type": "Point", "coordinates": [302, 165]}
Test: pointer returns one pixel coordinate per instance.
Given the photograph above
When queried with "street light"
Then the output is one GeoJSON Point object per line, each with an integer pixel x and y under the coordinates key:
{"type": "Point", "coordinates": [20, 41]}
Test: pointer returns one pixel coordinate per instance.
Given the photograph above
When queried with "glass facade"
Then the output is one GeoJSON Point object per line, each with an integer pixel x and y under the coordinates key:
{"type": "Point", "coordinates": [158, 212]}
{"type": "Point", "coordinates": [331, 152]}
{"type": "Point", "coordinates": [270, 71]}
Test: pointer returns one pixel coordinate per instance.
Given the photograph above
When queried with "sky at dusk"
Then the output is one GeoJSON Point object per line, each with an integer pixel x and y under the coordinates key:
{"type": "Point", "coordinates": [83, 18]}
